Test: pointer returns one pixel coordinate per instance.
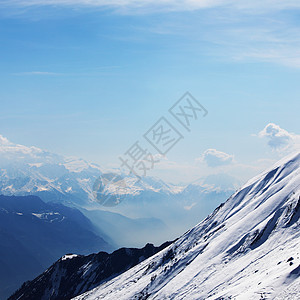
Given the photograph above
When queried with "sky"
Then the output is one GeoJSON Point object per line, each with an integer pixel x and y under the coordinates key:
{"type": "Point", "coordinates": [89, 78]}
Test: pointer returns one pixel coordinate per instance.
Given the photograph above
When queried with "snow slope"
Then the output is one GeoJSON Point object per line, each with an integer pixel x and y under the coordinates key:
{"type": "Point", "coordinates": [248, 248]}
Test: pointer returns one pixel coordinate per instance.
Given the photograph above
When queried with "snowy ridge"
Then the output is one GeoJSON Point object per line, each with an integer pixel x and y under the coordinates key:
{"type": "Point", "coordinates": [248, 248]}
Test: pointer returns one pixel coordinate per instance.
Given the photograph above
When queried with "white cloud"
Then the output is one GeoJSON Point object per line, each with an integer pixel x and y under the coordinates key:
{"type": "Point", "coordinates": [215, 158]}
{"type": "Point", "coordinates": [37, 73]}
{"type": "Point", "coordinates": [279, 138]}
{"type": "Point", "coordinates": [176, 5]}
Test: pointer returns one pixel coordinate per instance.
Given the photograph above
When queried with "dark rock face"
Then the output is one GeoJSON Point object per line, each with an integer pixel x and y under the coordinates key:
{"type": "Point", "coordinates": [73, 275]}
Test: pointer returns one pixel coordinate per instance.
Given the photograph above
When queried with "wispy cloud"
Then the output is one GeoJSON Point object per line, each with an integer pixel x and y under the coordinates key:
{"type": "Point", "coordinates": [276, 41]}
{"type": "Point", "coordinates": [96, 71]}
{"type": "Point", "coordinates": [234, 30]}
{"type": "Point", "coordinates": [37, 73]}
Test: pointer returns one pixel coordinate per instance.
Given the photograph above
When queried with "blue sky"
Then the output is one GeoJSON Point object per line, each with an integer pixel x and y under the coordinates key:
{"type": "Point", "coordinates": [89, 78]}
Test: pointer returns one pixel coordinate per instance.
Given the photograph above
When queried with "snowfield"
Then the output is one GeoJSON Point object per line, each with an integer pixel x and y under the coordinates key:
{"type": "Point", "coordinates": [248, 248]}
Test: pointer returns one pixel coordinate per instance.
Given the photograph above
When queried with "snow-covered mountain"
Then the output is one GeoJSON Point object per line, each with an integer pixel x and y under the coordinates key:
{"type": "Point", "coordinates": [248, 248]}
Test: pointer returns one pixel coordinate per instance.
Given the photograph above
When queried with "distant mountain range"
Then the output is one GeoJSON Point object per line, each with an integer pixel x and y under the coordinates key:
{"type": "Point", "coordinates": [148, 208]}
{"type": "Point", "coordinates": [34, 234]}
{"type": "Point", "coordinates": [30, 170]}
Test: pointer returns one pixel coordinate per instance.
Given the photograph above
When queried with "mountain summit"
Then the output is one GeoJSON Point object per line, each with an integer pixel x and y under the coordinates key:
{"type": "Point", "coordinates": [248, 248]}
